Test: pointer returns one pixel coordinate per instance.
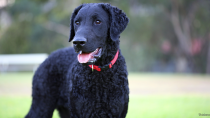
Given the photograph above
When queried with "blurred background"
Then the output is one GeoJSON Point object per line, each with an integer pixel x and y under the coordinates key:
{"type": "Point", "coordinates": [162, 35]}
{"type": "Point", "coordinates": [166, 46]}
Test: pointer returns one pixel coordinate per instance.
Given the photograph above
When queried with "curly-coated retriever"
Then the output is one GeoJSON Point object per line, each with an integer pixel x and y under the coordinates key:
{"type": "Point", "coordinates": [90, 79]}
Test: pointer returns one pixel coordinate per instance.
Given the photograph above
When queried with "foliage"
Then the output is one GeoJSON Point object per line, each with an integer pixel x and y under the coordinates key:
{"type": "Point", "coordinates": [27, 33]}
{"type": "Point", "coordinates": [160, 32]}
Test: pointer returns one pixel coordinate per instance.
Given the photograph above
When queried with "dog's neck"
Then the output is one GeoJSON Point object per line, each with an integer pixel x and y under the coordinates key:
{"type": "Point", "coordinates": [109, 53]}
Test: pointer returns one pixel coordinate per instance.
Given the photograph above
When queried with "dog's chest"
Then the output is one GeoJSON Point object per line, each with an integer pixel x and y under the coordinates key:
{"type": "Point", "coordinates": [97, 85]}
{"type": "Point", "coordinates": [98, 93]}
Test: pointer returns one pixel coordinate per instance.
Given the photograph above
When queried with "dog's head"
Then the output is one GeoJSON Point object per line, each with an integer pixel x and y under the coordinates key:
{"type": "Point", "coordinates": [91, 25]}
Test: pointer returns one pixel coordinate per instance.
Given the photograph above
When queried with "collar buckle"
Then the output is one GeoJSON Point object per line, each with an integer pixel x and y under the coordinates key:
{"type": "Point", "coordinates": [105, 67]}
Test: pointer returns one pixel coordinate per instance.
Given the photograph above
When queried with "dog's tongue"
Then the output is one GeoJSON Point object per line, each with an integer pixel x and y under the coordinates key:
{"type": "Point", "coordinates": [84, 58]}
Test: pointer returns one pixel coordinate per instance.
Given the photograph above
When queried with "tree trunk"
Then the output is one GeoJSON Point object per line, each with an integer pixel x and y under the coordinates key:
{"type": "Point", "coordinates": [181, 25]}
{"type": "Point", "coordinates": [181, 30]}
{"type": "Point", "coordinates": [208, 57]}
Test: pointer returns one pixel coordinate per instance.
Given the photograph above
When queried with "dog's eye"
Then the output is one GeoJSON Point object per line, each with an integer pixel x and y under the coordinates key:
{"type": "Point", "coordinates": [97, 22]}
{"type": "Point", "coordinates": [77, 22]}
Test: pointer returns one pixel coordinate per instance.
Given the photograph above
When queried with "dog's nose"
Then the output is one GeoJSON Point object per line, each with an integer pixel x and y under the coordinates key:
{"type": "Point", "coordinates": [79, 42]}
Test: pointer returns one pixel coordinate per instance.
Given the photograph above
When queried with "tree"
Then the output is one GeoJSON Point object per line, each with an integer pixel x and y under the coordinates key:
{"type": "Point", "coordinates": [37, 26]}
{"type": "Point", "coordinates": [189, 20]}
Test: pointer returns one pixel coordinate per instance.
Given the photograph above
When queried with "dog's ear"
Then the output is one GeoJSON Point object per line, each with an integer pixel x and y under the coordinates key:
{"type": "Point", "coordinates": [118, 20]}
{"type": "Point", "coordinates": [72, 33]}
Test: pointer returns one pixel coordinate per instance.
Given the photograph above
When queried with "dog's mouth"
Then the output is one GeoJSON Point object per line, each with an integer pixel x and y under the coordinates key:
{"type": "Point", "coordinates": [91, 57]}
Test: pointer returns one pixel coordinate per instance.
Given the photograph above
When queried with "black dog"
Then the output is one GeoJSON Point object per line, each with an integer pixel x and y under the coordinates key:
{"type": "Point", "coordinates": [92, 83]}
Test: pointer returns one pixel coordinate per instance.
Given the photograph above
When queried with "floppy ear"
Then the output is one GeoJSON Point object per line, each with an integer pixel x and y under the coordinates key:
{"type": "Point", "coordinates": [72, 33]}
{"type": "Point", "coordinates": [118, 20]}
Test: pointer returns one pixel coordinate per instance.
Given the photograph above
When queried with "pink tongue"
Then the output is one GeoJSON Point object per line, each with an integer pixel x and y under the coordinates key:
{"type": "Point", "coordinates": [84, 58]}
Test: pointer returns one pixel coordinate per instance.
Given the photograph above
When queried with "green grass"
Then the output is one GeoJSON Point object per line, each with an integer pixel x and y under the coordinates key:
{"type": "Point", "coordinates": [168, 106]}
{"type": "Point", "coordinates": [16, 106]}
{"type": "Point", "coordinates": [16, 78]}
{"type": "Point", "coordinates": [15, 101]}
{"type": "Point", "coordinates": [139, 106]}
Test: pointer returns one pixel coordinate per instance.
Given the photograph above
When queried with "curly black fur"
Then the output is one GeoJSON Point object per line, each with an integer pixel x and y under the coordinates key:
{"type": "Point", "coordinates": [74, 89]}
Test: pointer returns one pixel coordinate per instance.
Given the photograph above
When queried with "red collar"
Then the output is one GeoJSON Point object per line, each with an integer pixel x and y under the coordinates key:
{"type": "Point", "coordinates": [105, 67]}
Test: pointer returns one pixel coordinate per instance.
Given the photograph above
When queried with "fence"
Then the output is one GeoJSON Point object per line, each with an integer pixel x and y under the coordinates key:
{"type": "Point", "coordinates": [21, 62]}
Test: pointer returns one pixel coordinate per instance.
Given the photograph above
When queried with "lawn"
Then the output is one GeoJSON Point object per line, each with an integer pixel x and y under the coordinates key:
{"type": "Point", "coordinates": [151, 95]}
